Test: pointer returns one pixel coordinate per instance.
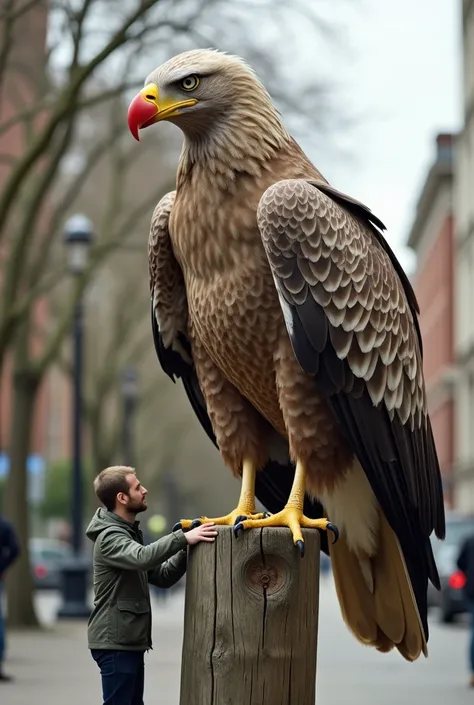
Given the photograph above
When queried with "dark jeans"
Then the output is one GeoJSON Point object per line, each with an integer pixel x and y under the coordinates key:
{"type": "Point", "coordinates": [123, 676]}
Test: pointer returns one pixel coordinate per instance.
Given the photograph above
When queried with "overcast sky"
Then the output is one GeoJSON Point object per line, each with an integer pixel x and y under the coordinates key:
{"type": "Point", "coordinates": [404, 71]}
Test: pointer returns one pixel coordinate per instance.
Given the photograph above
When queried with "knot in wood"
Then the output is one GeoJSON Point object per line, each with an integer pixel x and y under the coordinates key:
{"type": "Point", "coordinates": [269, 576]}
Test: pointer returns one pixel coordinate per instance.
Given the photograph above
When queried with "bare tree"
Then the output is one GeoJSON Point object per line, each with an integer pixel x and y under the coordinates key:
{"type": "Point", "coordinates": [99, 52]}
{"type": "Point", "coordinates": [109, 54]}
{"type": "Point", "coordinates": [36, 349]}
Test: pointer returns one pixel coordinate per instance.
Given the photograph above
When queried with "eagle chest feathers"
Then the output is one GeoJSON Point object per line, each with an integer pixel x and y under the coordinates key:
{"type": "Point", "coordinates": [233, 305]}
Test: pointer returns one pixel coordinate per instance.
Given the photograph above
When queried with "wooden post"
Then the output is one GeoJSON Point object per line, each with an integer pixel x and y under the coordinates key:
{"type": "Point", "coordinates": [251, 620]}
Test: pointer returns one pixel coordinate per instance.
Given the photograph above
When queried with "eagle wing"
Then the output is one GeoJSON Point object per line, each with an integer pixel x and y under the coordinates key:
{"type": "Point", "coordinates": [169, 310]}
{"type": "Point", "coordinates": [351, 315]}
{"type": "Point", "coordinates": [169, 319]}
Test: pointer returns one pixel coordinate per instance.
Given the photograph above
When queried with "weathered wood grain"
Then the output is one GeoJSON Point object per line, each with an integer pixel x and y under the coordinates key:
{"type": "Point", "coordinates": [251, 620]}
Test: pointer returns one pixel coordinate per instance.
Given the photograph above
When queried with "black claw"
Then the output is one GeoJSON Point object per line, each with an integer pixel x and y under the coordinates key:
{"type": "Point", "coordinates": [300, 547]}
{"type": "Point", "coordinates": [240, 518]}
{"type": "Point", "coordinates": [334, 529]}
{"type": "Point", "coordinates": [266, 515]}
{"type": "Point", "coordinates": [238, 529]}
{"type": "Point", "coordinates": [196, 522]}
{"type": "Point", "coordinates": [177, 526]}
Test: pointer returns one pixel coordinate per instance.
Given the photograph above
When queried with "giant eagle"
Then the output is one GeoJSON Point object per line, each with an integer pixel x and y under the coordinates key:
{"type": "Point", "coordinates": [280, 305]}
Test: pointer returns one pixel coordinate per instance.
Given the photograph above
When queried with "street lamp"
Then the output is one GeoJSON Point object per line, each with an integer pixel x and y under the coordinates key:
{"type": "Point", "coordinates": [129, 393]}
{"type": "Point", "coordinates": [78, 236]}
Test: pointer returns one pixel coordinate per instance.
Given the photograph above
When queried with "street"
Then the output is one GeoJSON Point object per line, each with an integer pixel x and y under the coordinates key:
{"type": "Point", "coordinates": [55, 666]}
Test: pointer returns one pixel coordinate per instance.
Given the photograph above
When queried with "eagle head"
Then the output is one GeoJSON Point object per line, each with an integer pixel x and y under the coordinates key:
{"type": "Point", "coordinates": [195, 90]}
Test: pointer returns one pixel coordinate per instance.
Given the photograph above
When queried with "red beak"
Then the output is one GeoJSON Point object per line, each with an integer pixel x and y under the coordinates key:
{"type": "Point", "coordinates": [141, 113]}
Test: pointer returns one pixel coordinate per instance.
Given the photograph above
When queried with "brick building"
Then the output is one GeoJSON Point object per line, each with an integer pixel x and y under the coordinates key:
{"type": "Point", "coordinates": [432, 238]}
{"type": "Point", "coordinates": [464, 274]}
{"type": "Point", "coordinates": [21, 86]}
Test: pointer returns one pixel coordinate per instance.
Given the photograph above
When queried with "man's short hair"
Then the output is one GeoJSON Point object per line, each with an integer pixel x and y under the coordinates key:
{"type": "Point", "coordinates": [110, 482]}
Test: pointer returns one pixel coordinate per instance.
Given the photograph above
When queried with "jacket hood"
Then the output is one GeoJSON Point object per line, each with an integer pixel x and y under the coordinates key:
{"type": "Point", "coordinates": [103, 519]}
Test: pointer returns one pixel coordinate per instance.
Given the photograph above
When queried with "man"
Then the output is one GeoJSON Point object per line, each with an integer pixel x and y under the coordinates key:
{"type": "Point", "coordinates": [119, 630]}
{"type": "Point", "coordinates": [465, 564]}
{"type": "Point", "coordinates": [9, 551]}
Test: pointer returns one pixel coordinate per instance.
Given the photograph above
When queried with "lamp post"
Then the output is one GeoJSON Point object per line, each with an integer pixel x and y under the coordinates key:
{"type": "Point", "coordinates": [78, 236]}
{"type": "Point", "coordinates": [129, 393]}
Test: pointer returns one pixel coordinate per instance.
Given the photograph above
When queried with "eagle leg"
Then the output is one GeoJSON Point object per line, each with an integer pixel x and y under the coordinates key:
{"type": "Point", "coordinates": [245, 510]}
{"type": "Point", "coordinates": [292, 514]}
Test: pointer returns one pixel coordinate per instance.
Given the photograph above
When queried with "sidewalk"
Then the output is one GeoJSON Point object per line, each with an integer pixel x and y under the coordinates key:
{"type": "Point", "coordinates": [54, 666]}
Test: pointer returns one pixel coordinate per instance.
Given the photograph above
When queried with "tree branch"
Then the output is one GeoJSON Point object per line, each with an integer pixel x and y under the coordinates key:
{"type": "Point", "coordinates": [108, 93]}
{"type": "Point", "coordinates": [17, 255]}
{"type": "Point", "coordinates": [51, 351]}
{"type": "Point", "coordinates": [99, 253]}
{"type": "Point", "coordinates": [21, 10]}
{"type": "Point", "coordinates": [82, 105]}
{"type": "Point", "coordinates": [7, 23]}
{"type": "Point", "coordinates": [45, 283]}
{"type": "Point", "coordinates": [62, 111]}
{"type": "Point", "coordinates": [36, 270]}
{"type": "Point", "coordinates": [43, 286]}
{"type": "Point", "coordinates": [77, 35]}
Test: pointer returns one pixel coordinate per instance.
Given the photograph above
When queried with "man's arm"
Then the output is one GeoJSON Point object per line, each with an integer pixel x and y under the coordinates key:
{"type": "Point", "coordinates": [9, 547]}
{"type": "Point", "coordinates": [169, 572]}
{"type": "Point", "coordinates": [121, 551]}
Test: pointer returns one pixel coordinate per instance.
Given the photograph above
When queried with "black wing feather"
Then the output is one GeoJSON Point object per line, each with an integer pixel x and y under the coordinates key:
{"type": "Point", "coordinates": [382, 447]}
{"type": "Point", "coordinates": [399, 460]}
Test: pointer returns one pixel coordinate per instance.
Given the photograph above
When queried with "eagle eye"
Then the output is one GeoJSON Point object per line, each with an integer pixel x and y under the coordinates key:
{"type": "Point", "coordinates": [189, 83]}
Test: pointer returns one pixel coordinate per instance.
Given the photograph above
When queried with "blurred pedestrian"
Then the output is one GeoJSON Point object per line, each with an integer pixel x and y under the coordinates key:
{"type": "Point", "coordinates": [465, 564]}
{"type": "Point", "coordinates": [9, 551]}
{"type": "Point", "coordinates": [119, 630]}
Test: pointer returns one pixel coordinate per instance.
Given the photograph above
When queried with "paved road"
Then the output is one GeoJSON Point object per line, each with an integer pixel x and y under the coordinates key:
{"type": "Point", "coordinates": [55, 667]}
{"type": "Point", "coordinates": [349, 672]}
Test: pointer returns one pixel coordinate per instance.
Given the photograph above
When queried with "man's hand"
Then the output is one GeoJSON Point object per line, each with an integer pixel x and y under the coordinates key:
{"type": "Point", "coordinates": [205, 532]}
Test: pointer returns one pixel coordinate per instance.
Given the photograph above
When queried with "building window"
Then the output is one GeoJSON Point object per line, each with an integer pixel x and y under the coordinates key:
{"type": "Point", "coordinates": [445, 153]}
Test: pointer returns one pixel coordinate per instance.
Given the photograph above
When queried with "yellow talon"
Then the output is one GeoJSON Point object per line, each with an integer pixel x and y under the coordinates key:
{"type": "Point", "coordinates": [245, 508]}
{"type": "Point", "coordinates": [245, 517]}
{"type": "Point", "coordinates": [292, 514]}
{"type": "Point", "coordinates": [227, 520]}
{"type": "Point", "coordinates": [294, 519]}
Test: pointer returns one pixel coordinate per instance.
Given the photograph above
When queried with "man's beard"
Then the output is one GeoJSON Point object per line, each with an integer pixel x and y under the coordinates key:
{"type": "Point", "coordinates": [137, 507]}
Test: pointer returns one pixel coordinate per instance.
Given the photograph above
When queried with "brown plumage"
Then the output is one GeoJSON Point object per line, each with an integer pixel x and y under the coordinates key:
{"type": "Point", "coordinates": [280, 305]}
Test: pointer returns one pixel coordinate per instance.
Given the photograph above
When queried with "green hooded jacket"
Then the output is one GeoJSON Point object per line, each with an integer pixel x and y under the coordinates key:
{"type": "Point", "coordinates": [123, 567]}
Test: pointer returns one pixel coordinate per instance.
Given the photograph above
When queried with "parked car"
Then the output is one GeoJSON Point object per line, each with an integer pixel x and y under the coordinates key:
{"type": "Point", "coordinates": [450, 599]}
{"type": "Point", "coordinates": [47, 557]}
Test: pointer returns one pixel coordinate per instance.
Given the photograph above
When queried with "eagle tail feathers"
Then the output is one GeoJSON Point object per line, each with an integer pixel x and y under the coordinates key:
{"type": "Point", "coordinates": [376, 597]}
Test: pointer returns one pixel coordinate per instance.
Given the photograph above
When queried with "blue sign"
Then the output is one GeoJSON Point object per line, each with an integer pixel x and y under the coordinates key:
{"type": "Point", "coordinates": [35, 464]}
{"type": "Point", "coordinates": [4, 464]}
{"type": "Point", "coordinates": [36, 468]}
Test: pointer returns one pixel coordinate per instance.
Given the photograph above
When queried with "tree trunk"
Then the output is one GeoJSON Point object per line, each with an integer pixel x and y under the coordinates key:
{"type": "Point", "coordinates": [20, 587]}
{"type": "Point", "coordinates": [3, 382]}
{"type": "Point", "coordinates": [3, 353]}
